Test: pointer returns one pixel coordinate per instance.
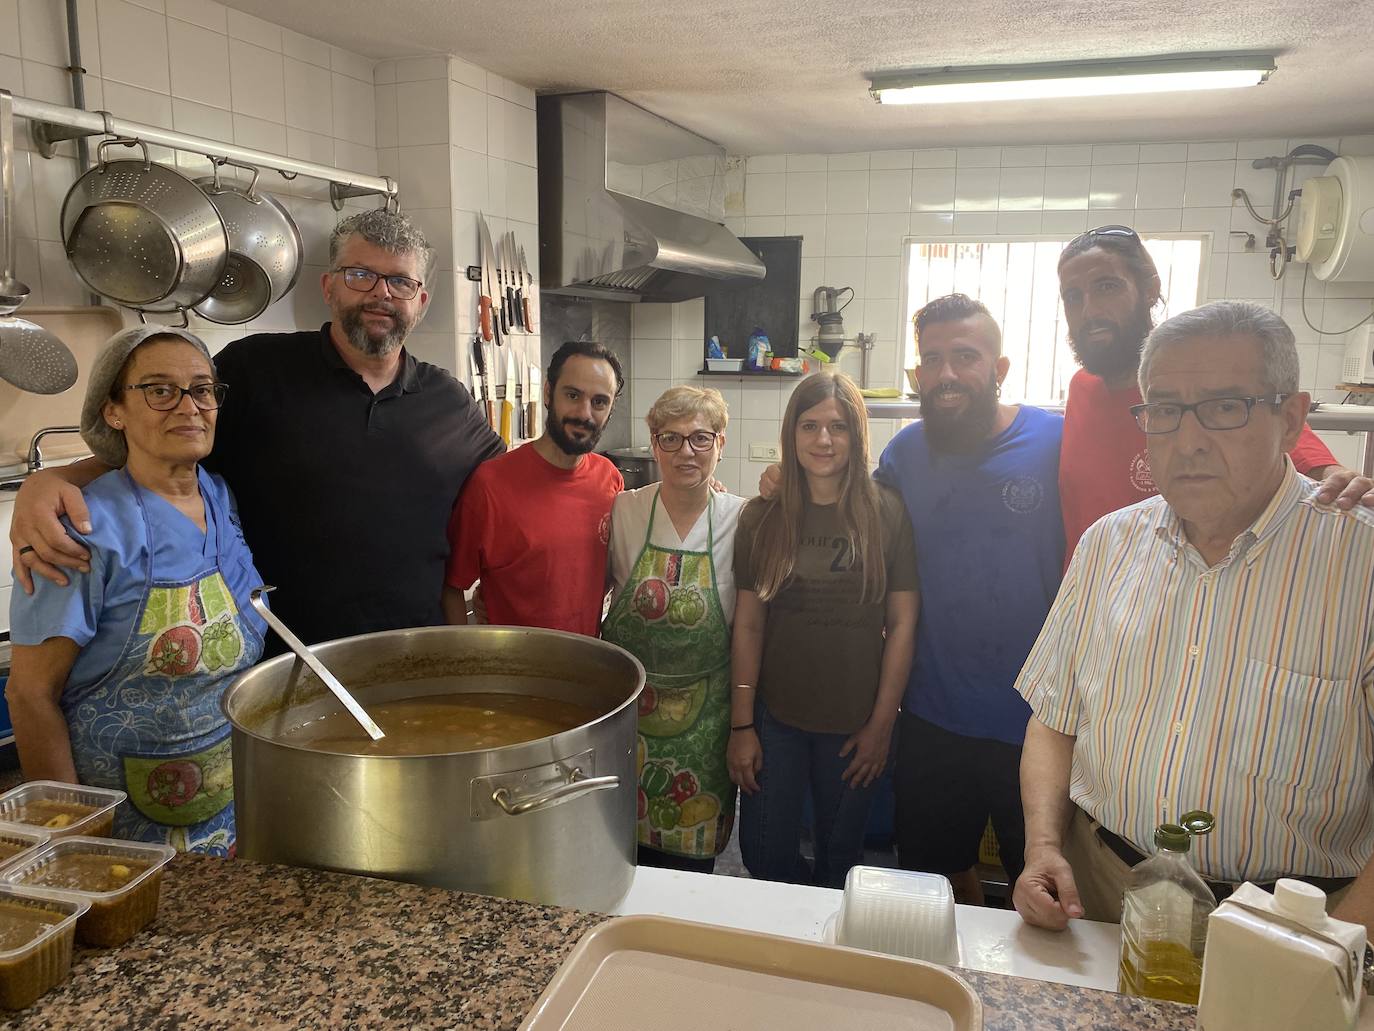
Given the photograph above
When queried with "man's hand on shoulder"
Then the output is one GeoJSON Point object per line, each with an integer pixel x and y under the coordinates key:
{"type": "Point", "coordinates": [1343, 487]}
{"type": "Point", "coordinates": [39, 542]}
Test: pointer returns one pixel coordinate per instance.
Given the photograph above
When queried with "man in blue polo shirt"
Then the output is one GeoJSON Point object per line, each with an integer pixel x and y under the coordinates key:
{"type": "Point", "coordinates": [981, 484]}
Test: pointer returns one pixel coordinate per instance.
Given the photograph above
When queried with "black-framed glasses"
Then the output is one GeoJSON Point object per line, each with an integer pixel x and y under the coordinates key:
{"type": "Point", "coordinates": [1122, 231]}
{"type": "Point", "coordinates": [365, 279]}
{"type": "Point", "coordinates": [1216, 413]}
{"type": "Point", "coordinates": [163, 397]}
{"type": "Point", "coordinates": [701, 440]}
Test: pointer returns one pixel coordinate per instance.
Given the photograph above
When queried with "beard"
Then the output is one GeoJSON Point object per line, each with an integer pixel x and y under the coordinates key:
{"type": "Point", "coordinates": [1120, 354]}
{"type": "Point", "coordinates": [566, 443]}
{"type": "Point", "coordinates": [961, 432]}
{"type": "Point", "coordinates": [366, 340]}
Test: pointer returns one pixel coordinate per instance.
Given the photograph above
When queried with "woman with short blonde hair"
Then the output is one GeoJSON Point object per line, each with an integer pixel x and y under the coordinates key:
{"type": "Point", "coordinates": [671, 569]}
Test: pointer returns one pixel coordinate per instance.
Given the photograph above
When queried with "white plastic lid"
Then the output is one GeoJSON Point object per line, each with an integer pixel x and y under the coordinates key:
{"type": "Point", "coordinates": [1301, 901]}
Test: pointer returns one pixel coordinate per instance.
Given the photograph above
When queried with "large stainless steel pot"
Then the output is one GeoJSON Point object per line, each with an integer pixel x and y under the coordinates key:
{"type": "Point", "coordinates": [551, 820]}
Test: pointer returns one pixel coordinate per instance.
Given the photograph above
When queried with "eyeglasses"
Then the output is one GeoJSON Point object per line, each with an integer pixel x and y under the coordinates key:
{"type": "Point", "coordinates": [163, 397]}
{"type": "Point", "coordinates": [364, 280]}
{"type": "Point", "coordinates": [701, 440]}
{"type": "Point", "coordinates": [1216, 413]}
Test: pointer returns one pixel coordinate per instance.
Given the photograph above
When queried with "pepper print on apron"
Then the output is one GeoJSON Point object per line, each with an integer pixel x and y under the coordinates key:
{"type": "Point", "coordinates": [153, 726]}
{"type": "Point", "coordinates": [669, 617]}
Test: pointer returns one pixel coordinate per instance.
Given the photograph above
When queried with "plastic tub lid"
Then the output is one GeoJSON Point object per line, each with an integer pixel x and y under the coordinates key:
{"type": "Point", "coordinates": [155, 855]}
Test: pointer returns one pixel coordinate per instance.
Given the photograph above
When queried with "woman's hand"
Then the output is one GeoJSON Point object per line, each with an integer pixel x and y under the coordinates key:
{"type": "Point", "coordinates": [870, 745]}
{"type": "Point", "coordinates": [744, 759]}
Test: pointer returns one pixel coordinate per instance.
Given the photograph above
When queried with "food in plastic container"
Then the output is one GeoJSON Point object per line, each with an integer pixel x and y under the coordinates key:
{"type": "Point", "coordinates": [122, 881]}
{"type": "Point", "coordinates": [17, 840]}
{"type": "Point", "coordinates": [61, 809]}
{"type": "Point", "coordinates": [35, 943]}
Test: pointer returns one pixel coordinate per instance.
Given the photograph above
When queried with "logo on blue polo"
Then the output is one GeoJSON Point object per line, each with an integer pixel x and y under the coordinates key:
{"type": "Point", "coordinates": [1023, 494]}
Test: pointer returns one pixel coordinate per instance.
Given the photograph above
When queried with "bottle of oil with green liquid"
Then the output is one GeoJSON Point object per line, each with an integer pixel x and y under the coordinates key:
{"type": "Point", "coordinates": [1164, 917]}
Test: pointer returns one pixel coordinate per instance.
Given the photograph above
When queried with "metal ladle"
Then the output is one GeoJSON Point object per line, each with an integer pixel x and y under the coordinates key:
{"type": "Point", "coordinates": [316, 666]}
{"type": "Point", "coordinates": [30, 357]}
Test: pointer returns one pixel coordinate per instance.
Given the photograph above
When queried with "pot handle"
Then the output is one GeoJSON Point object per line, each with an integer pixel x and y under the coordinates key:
{"type": "Point", "coordinates": [578, 784]}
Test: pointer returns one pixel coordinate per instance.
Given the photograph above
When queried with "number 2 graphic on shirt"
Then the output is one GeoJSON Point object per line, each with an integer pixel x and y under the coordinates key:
{"type": "Point", "coordinates": [843, 559]}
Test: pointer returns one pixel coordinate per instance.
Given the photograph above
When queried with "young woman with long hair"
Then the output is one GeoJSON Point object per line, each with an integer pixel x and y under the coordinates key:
{"type": "Point", "coordinates": [825, 625]}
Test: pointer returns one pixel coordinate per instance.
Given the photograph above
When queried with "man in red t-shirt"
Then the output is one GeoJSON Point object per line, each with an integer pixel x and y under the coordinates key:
{"type": "Point", "coordinates": [1109, 285]}
{"type": "Point", "coordinates": [533, 524]}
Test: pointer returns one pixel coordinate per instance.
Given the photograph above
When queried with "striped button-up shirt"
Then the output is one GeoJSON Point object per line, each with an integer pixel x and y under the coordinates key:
{"type": "Point", "coordinates": [1246, 688]}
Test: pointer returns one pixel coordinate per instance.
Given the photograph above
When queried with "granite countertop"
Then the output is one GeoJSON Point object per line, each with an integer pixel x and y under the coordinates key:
{"type": "Point", "coordinates": [238, 944]}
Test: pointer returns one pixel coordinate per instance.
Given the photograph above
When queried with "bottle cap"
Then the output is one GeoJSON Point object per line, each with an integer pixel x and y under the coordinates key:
{"type": "Point", "coordinates": [1304, 902]}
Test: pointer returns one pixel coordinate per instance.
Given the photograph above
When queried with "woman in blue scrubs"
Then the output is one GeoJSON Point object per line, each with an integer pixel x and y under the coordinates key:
{"type": "Point", "coordinates": [117, 678]}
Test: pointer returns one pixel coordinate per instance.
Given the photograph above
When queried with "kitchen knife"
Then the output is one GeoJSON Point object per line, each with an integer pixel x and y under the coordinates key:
{"type": "Point", "coordinates": [534, 396]}
{"type": "Point", "coordinates": [490, 297]}
{"type": "Point", "coordinates": [513, 289]}
{"type": "Point", "coordinates": [531, 296]}
{"type": "Point", "coordinates": [480, 357]}
{"type": "Point", "coordinates": [508, 398]}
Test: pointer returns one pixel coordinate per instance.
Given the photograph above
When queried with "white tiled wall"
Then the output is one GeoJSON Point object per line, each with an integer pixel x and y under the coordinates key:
{"type": "Point", "coordinates": [199, 68]}
{"type": "Point", "coordinates": [853, 210]}
{"type": "Point", "coordinates": [461, 141]}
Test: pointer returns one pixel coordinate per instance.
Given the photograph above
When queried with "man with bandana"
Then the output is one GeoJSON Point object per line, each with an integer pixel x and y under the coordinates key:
{"type": "Point", "coordinates": [344, 452]}
{"type": "Point", "coordinates": [533, 525]}
{"type": "Point", "coordinates": [1110, 286]}
{"type": "Point", "coordinates": [979, 479]}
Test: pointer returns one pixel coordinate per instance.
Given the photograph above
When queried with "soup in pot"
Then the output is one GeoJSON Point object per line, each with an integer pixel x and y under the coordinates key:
{"type": "Point", "coordinates": [440, 723]}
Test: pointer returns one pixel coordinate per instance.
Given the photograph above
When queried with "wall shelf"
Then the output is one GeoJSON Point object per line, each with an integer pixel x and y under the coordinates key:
{"type": "Point", "coordinates": [770, 374]}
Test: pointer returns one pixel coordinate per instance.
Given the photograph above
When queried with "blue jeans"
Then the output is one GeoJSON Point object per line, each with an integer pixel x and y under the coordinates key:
{"type": "Point", "coordinates": [771, 818]}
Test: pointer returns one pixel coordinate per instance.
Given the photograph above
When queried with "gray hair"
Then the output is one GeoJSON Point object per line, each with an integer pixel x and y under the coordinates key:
{"type": "Point", "coordinates": [389, 230]}
{"type": "Point", "coordinates": [1278, 351]}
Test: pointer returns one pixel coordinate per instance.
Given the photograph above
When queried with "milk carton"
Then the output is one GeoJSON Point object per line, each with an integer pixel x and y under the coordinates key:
{"type": "Point", "coordinates": [1278, 962]}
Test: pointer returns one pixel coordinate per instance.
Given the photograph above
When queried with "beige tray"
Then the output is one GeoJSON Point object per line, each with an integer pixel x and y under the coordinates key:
{"type": "Point", "coordinates": [638, 972]}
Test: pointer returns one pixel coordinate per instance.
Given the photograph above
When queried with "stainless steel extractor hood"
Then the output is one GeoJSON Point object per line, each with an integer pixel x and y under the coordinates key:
{"type": "Point", "coordinates": [630, 205]}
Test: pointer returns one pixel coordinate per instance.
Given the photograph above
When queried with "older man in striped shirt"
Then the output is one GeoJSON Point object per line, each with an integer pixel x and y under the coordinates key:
{"type": "Point", "coordinates": [1211, 648]}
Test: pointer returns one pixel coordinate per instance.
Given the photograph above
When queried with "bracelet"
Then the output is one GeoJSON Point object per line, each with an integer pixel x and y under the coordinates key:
{"type": "Point", "coordinates": [743, 726]}
{"type": "Point", "coordinates": [744, 687]}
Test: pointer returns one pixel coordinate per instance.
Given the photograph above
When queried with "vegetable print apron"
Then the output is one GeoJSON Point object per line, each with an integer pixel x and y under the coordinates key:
{"type": "Point", "coordinates": [670, 618]}
{"type": "Point", "coordinates": [153, 726]}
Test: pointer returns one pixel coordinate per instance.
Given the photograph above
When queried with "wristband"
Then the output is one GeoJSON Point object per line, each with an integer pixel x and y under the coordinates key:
{"type": "Point", "coordinates": [744, 687]}
{"type": "Point", "coordinates": [743, 726]}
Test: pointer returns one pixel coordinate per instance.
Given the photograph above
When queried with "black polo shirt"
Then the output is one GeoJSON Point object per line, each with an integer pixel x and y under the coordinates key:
{"type": "Point", "coordinates": [344, 495]}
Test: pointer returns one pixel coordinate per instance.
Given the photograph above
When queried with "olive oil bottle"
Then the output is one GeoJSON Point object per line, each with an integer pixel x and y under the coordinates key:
{"type": "Point", "coordinates": [1164, 918]}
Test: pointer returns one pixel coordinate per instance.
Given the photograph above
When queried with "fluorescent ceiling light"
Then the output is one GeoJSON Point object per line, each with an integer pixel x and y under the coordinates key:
{"type": "Point", "coordinates": [1072, 79]}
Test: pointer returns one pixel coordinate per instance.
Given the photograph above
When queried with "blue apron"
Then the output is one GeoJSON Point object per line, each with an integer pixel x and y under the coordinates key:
{"type": "Point", "coordinates": [152, 726]}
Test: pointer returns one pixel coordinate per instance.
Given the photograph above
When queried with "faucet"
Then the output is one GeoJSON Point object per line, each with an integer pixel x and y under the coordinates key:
{"type": "Point", "coordinates": [34, 459]}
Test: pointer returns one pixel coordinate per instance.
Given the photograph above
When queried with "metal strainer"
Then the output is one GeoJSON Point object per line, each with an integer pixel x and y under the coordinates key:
{"type": "Point", "coordinates": [264, 250]}
{"type": "Point", "coordinates": [30, 357]}
{"type": "Point", "coordinates": [143, 234]}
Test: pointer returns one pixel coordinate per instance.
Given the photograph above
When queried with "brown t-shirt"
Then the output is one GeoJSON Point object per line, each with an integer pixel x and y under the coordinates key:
{"type": "Point", "coordinates": [822, 647]}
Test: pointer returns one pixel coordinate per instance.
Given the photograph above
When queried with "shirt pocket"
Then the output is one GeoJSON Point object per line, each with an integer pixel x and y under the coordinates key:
{"type": "Point", "coordinates": [1295, 733]}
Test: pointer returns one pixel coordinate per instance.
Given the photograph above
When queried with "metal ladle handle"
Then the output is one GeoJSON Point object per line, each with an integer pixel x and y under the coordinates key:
{"type": "Point", "coordinates": [8, 238]}
{"type": "Point", "coordinates": [316, 666]}
{"type": "Point", "coordinates": [578, 784]}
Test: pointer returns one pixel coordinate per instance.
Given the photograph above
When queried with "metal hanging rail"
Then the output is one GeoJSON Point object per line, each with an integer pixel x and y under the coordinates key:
{"type": "Point", "coordinates": [54, 123]}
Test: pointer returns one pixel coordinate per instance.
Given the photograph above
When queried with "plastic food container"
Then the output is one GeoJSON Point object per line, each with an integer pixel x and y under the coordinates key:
{"type": "Point", "coordinates": [725, 364]}
{"type": "Point", "coordinates": [35, 943]}
{"type": "Point", "coordinates": [116, 913]}
{"type": "Point", "coordinates": [61, 809]}
{"type": "Point", "coordinates": [17, 841]}
{"type": "Point", "coordinates": [900, 912]}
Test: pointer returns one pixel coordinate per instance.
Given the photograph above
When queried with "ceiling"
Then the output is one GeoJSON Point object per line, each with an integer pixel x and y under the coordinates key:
{"type": "Point", "coordinates": [772, 76]}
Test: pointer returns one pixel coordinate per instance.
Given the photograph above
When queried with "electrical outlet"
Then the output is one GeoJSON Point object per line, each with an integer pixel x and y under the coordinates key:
{"type": "Point", "coordinates": [765, 453]}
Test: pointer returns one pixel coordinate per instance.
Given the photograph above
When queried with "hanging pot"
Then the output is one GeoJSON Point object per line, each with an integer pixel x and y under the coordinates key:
{"type": "Point", "coordinates": [143, 234]}
{"type": "Point", "coordinates": [264, 251]}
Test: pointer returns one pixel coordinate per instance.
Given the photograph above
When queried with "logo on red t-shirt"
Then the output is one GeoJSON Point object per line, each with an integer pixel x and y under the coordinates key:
{"type": "Point", "coordinates": [1141, 477]}
{"type": "Point", "coordinates": [603, 529]}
